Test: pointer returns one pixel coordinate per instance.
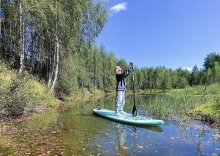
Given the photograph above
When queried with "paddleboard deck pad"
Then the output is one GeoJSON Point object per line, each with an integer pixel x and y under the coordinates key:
{"type": "Point", "coordinates": [127, 118]}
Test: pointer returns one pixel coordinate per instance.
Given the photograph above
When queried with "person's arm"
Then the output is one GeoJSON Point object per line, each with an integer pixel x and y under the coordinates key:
{"type": "Point", "coordinates": [127, 71]}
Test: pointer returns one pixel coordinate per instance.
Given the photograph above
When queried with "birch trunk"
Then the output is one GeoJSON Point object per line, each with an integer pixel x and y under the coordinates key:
{"type": "Point", "coordinates": [56, 55]}
{"type": "Point", "coordinates": [21, 37]}
{"type": "Point", "coordinates": [56, 63]}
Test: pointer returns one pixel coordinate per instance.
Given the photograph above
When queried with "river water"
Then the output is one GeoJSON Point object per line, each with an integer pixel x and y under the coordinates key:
{"type": "Point", "coordinates": [87, 134]}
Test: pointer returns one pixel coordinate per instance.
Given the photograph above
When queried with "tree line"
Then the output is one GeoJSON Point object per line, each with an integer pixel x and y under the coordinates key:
{"type": "Point", "coordinates": [54, 40]}
{"type": "Point", "coordinates": [163, 78]}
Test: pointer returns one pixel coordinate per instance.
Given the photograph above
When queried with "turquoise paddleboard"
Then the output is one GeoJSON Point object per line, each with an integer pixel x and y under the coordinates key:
{"type": "Point", "coordinates": [127, 118]}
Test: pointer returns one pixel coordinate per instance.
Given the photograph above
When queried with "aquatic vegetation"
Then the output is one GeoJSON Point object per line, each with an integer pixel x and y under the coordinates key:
{"type": "Point", "coordinates": [201, 103]}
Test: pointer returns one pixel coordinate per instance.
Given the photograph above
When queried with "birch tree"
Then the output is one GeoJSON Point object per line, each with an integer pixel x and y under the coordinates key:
{"type": "Point", "coordinates": [21, 42]}
{"type": "Point", "coordinates": [56, 53]}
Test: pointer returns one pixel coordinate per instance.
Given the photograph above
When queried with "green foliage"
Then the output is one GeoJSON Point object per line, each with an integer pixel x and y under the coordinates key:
{"type": "Point", "coordinates": [213, 89]}
{"type": "Point", "coordinates": [5, 78]}
{"type": "Point", "coordinates": [22, 92]}
{"type": "Point", "coordinates": [62, 34]}
{"type": "Point", "coordinates": [176, 106]}
{"type": "Point", "coordinates": [206, 99]}
{"type": "Point", "coordinates": [210, 108]}
{"type": "Point", "coordinates": [67, 79]}
{"type": "Point", "coordinates": [47, 25]}
{"type": "Point", "coordinates": [210, 60]}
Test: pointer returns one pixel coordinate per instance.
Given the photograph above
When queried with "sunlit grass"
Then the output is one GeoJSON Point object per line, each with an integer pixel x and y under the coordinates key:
{"type": "Point", "coordinates": [208, 99]}
{"type": "Point", "coordinates": [22, 91]}
{"type": "Point", "coordinates": [5, 77]}
{"type": "Point", "coordinates": [172, 106]}
{"type": "Point", "coordinates": [211, 108]}
{"type": "Point", "coordinates": [39, 94]}
{"type": "Point", "coordinates": [197, 90]}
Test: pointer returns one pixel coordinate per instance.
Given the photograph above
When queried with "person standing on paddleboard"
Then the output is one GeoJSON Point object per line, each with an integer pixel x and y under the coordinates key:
{"type": "Point", "coordinates": [121, 87]}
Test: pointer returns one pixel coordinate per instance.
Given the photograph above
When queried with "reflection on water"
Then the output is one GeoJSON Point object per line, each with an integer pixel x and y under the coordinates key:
{"type": "Point", "coordinates": [121, 138]}
{"type": "Point", "coordinates": [87, 134]}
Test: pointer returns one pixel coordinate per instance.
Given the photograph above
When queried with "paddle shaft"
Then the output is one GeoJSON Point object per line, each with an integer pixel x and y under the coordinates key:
{"type": "Point", "coordinates": [133, 86]}
{"type": "Point", "coordinates": [134, 110]}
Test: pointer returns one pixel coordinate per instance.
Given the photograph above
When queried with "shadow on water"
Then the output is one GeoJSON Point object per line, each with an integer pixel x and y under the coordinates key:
{"type": "Point", "coordinates": [88, 134]}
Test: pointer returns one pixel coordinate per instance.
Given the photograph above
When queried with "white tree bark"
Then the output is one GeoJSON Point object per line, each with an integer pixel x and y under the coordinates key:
{"type": "Point", "coordinates": [56, 56]}
{"type": "Point", "coordinates": [21, 37]}
{"type": "Point", "coordinates": [56, 63]}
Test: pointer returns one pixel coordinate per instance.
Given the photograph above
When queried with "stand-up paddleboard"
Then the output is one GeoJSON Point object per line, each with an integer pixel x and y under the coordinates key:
{"type": "Point", "coordinates": [127, 118]}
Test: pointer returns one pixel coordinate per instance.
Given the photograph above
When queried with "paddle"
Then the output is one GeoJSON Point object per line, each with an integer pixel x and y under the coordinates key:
{"type": "Point", "coordinates": [134, 109]}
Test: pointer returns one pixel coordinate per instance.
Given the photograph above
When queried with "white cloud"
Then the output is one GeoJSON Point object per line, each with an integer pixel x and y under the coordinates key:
{"type": "Point", "coordinates": [188, 68]}
{"type": "Point", "coordinates": [119, 7]}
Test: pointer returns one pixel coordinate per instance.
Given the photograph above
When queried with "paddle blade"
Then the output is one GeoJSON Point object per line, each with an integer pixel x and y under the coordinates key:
{"type": "Point", "coordinates": [134, 111]}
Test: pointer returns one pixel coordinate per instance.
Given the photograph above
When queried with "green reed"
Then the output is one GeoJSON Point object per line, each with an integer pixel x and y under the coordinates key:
{"type": "Point", "coordinates": [177, 104]}
{"type": "Point", "coordinates": [175, 107]}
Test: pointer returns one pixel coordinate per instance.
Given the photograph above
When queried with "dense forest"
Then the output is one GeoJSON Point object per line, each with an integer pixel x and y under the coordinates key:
{"type": "Point", "coordinates": [54, 41]}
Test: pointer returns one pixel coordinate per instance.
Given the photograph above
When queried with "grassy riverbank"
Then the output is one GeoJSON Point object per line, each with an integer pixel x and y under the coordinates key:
{"type": "Point", "coordinates": [207, 108]}
{"type": "Point", "coordinates": [22, 93]}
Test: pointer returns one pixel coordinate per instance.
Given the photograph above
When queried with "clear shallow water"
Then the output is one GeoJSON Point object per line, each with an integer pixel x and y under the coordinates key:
{"type": "Point", "coordinates": [87, 134]}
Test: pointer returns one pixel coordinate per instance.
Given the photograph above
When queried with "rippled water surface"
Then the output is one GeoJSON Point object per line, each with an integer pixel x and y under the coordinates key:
{"type": "Point", "coordinates": [87, 134]}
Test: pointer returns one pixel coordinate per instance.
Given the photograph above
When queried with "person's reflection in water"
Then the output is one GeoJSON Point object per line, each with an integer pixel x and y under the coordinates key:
{"type": "Point", "coordinates": [134, 130]}
{"type": "Point", "coordinates": [121, 138]}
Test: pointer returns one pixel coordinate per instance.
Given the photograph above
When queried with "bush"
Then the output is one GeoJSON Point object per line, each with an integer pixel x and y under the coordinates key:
{"type": "Point", "coordinates": [23, 92]}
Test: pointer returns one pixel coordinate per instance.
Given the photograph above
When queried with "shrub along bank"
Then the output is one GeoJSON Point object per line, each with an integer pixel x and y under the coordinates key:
{"type": "Point", "coordinates": [22, 93]}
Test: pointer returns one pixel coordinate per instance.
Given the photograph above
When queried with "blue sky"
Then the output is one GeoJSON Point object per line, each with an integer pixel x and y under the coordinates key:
{"type": "Point", "coordinates": [170, 33]}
